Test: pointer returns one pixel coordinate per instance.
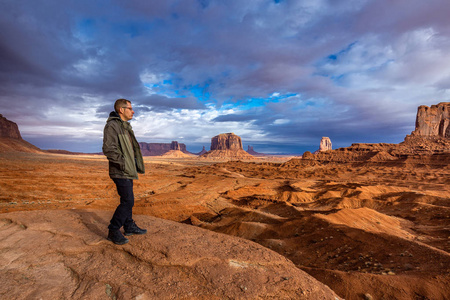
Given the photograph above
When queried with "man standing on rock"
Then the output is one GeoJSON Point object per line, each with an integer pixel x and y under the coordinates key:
{"type": "Point", "coordinates": [125, 162]}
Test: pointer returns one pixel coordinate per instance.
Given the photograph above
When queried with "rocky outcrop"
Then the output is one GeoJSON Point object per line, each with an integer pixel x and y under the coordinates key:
{"type": "Point", "coordinates": [11, 139]}
{"type": "Point", "coordinates": [175, 146]}
{"type": "Point", "coordinates": [173, 261]}
{"type": "Point", "coordinates": [9, 129]}
{"type": "Point", "coordinates": [226, 141]}
{"type": "Point", "coordinates": [325, 144]}
{"type": "Point", "coordinates": [156, 149]}
{"type": "Point", "coordinates": [226, 146]}
{"type": "Point", "coordinates": [433, 121]}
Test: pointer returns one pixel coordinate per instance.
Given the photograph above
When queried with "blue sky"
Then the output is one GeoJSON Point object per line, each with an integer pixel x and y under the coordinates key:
{"type": "Point", "coordinates": [280, 74]}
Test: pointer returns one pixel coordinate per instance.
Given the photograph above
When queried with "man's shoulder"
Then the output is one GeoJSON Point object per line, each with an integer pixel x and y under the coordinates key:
{"type": "Point", "coordinates": [113, 123]}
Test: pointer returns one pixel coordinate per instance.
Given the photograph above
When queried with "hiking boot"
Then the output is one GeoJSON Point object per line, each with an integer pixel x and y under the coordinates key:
{"type": "Point", "coordinates": [117, 237]}
{"type": "Point", "coordinates": [134, 229]}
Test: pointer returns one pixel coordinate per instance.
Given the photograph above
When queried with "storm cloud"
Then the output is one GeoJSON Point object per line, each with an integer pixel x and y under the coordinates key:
{"type": "Point", "coordinates": [281, 74]}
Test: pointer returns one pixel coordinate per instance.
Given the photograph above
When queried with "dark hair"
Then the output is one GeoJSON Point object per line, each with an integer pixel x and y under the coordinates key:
{"type": "Point", "coordinates": [120, 103]}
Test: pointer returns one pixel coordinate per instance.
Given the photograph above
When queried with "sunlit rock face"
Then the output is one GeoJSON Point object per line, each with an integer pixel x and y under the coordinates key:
{"type": "Point", "coordinates": [226, 146]}
{"type": "Point", "coordinates": [226, 141]}
{"type": "Point", "coordinates": [433, 121]}
{"type": "Point", "coordinates": [325, 144]}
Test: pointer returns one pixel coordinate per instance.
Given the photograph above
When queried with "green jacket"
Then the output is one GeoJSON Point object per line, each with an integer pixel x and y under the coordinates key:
{"type": "Point", "coordinates": [122, 149]}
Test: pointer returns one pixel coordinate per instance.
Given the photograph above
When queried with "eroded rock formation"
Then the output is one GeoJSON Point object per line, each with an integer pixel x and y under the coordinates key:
{"type": "Point", "coordinates": [226, 141]}
{"type": "Point", "coordinates": [325, 144]}
{"type": "Point", "coordinates": [175, 146]}
{"type": "Point", "coordinates": [227, 146]}
{"type": "Point", "coordinates": [433, 121]}
{"type": "Point", "coordinates": [428, 144]}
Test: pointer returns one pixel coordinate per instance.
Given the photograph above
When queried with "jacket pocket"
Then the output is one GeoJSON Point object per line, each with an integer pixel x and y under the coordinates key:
{"type": "Point", "coordinates": [129, 168]}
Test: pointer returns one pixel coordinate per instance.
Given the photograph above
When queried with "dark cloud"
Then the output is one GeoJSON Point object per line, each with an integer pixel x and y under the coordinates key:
{"type": "Point", "coordinates": [234, 118]}
{"type": "Point", "coordinates": [162, 103]}
{"type": "Point", "coordinates": [352, 70]}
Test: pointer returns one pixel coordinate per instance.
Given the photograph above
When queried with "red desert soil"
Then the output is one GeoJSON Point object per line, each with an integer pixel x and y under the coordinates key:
{"type": "Point", "coordinates": [366, 230]}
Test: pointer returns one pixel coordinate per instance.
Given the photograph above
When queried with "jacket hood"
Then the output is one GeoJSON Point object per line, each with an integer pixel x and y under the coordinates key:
{"type": "Point", "coordinates": [113, 115]}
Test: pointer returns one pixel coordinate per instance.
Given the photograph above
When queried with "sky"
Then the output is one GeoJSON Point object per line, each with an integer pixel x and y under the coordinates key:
{"type": "Point", "coordinates": [280, 74]}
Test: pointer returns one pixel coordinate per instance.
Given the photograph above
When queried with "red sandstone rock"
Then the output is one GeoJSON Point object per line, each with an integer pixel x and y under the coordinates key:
{"type": "Point", "coordinates": [65, 255]}
{"type": "Point", "coordinates": [226, 141]}
{"type": "Point", "coordinates": [225, 146]}
{"type": "Point", "coordinates": [325, 144]}
{"type": "Point", "coordinates": [433, 121]}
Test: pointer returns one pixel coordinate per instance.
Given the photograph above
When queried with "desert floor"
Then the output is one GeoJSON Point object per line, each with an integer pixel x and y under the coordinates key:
{"type": "Point", "coordinates": [360, 229]}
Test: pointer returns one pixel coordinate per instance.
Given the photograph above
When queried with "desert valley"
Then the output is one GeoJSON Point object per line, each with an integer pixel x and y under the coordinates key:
{"type": "Point", "coordinates": [370, 221]}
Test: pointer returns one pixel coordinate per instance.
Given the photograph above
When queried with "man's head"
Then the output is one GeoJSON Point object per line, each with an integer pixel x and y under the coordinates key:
{"type": "Point", "coordinates": [124, 109]}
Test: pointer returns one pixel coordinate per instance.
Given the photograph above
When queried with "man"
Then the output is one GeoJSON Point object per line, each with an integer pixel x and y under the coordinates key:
{"type": "Point", "coordinates": [125, 162]}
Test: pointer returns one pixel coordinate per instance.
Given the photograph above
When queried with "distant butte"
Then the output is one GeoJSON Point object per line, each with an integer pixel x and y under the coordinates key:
{"type": "Point", "coordinates": [11, 139]}
{"type": "Point", "coordinates": [156, 149]}
{"type": "Point", "coordinates": [251, 151]}
{"type": "Point", "coordinates": [227, 146]}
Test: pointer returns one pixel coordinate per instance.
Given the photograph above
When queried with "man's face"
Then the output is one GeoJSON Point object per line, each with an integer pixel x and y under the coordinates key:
{"type": "Point", "coordinates": [127, 112]}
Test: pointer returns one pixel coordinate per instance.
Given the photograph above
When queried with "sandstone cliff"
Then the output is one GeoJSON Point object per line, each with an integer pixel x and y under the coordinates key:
{"type": "Point", "coordinates": [227, 146]}
{"type": "Point", "coordinates": [433, 121]}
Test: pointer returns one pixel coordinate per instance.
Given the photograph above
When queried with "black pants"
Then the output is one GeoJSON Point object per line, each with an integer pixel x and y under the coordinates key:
{"type": "Point", "coordinates": [123, 214]}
